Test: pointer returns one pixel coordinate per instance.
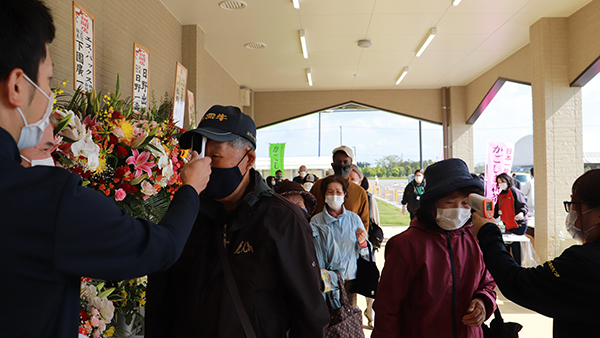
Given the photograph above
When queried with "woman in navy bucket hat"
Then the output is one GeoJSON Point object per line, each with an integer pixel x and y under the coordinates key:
{"type": "Point", "coordinates": [434, 282]}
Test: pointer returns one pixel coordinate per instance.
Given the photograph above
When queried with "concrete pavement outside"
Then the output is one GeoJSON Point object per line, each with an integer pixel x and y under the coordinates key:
{"type": "Point", "coordinates": [534, 324]}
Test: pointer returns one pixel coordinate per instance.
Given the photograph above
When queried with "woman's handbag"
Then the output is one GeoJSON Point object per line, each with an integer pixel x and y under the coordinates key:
{"type": "Point", "coordinates": [367, 276]}
{"type": "Point", "coordinates": [499, 329]}
{"type": "Point", "coordinates": [345, 322]}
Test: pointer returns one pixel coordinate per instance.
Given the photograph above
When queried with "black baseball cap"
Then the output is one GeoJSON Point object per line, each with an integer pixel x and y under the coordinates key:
{"type": "Point", "coordinates": [222, 124]}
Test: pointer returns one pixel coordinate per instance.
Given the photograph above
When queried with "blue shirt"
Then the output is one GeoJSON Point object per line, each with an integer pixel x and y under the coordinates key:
{"type": "Point", "coordinates": [329, 259]}
{"type": "Point", "coordinates": [344, 229]}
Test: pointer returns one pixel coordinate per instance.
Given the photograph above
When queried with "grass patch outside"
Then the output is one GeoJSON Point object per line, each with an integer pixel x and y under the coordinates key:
{"type": "Point", "coordinates": [390, 215]}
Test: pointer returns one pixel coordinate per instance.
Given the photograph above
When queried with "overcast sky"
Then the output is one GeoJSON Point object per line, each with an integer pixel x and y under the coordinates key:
{"type": "Point", "coordinates": [377, 134]}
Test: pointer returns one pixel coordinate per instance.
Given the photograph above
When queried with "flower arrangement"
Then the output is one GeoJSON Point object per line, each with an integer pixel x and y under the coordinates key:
{"type": "Point", "coordinates": [96, 310]}
{"type": "Point", "coordinates": [135, 160]}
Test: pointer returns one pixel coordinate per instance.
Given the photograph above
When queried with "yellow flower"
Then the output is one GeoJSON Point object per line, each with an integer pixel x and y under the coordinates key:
{"type": "Point", "coordinates": [131, 282]}
{"type": "Point", "coordinates": [109, 332]}
{"type": "Point", "coordinates": [142, 302]}
{"type": "Point", "coordinates": [102, 164]}
{"type": "Point", "coordinates": [143, 294]}
{"type": "Point", "coordinates": [127, 128]}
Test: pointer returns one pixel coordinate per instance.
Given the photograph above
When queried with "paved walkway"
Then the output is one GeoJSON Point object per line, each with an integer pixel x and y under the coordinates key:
{"type": "Point", "coordinates": [534, 324]}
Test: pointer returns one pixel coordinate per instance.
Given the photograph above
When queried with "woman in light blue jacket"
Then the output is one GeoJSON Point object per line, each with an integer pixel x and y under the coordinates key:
{"type": "Point", "coordinates": [347, 228]}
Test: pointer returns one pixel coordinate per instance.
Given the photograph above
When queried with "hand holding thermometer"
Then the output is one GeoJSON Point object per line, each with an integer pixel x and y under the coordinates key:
{"type": "Point", "coordinates": [483, 206]}
{"type": "Point", "coordinates": [201, 152]}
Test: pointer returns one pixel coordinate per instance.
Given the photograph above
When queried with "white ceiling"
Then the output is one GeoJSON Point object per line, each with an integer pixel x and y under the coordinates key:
{"type": "Point", "coordinates": [471, 38]}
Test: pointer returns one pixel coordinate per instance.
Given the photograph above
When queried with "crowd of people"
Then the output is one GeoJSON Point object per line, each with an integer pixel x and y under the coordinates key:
{"type": "Point", "coordinates": [238, 255]}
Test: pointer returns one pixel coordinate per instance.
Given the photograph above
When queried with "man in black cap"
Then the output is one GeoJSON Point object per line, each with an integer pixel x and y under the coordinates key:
{"type": "Point", "coordinates": [249, 266]}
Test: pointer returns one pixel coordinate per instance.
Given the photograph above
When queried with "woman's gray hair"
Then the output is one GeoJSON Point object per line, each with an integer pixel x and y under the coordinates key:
{"type": "Point", "coordinates": [240, 143]}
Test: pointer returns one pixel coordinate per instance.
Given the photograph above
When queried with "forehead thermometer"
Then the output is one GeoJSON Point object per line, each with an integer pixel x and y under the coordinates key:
{"type": "Point", "coordinates": [201, 151]}
{"type": "Point", "coordinates": [483, 206]}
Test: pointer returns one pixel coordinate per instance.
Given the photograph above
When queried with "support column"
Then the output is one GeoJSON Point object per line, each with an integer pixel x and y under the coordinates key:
{"type": "Point", "coordinates": [460, 133]}
{"type": "Point", "coordinates": [557, 132]}
{"type": "Point", "coordinates": [193, 42]}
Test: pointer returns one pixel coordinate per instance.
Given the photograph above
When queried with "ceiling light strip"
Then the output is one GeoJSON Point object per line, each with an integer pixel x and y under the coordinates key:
{"type": "Point", "coordinates": [297, 3]}
{"type": "Point", "coordinates": [309, 77]}
{"type": "Point", "coordinates": [456, 2]}
{"type": "Point", "coordinates": [404, 72]}
{"type": "Point", "coordinates": [303, 43]}
{"type": "Point", "coordinates": [427, 41]}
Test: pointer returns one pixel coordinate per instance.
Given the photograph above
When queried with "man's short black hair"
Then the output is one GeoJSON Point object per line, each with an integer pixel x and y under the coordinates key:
{"type": "Point", "coordinates": [26, 26]}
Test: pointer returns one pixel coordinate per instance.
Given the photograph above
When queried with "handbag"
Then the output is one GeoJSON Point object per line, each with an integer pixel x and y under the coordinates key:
{"type": "Point", "coordinates": [499, 329]}
{"type": "Point", "coordinates": [367, 276]}
{"type": "Point", "coordinates": [345, 322]}
{"type": "Point", "coordinates": [375, 231]}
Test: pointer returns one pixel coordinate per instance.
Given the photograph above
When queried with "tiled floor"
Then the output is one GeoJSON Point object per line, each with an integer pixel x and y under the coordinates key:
{"type": "Point", "coordinates": [534, 324]}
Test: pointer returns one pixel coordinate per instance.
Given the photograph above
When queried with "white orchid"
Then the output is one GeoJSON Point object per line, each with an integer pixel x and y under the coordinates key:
{"type": "Point", "coordinates": [158, 145]}
{"type": "Point", "coordinates": [75, 130]}
{"type": "Point", "coordinates": [87, 148]}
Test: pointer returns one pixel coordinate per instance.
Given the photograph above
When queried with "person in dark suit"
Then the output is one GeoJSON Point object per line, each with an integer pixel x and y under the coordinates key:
{"type": "Point", "coordinates": [53, 230]}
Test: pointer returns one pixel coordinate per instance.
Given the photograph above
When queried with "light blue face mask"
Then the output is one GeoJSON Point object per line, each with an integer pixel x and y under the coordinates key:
{"type": "Point", "coordinates": [31, 134]}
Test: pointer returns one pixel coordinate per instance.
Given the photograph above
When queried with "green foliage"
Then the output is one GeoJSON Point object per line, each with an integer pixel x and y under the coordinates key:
{"type": "Point", "coordinates": [158, 112]}
{"type": "Point", "coordinates": [392, 166]}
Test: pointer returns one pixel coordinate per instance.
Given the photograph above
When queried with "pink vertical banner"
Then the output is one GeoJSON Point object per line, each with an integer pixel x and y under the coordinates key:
{"type": "Point", "coordinates": [500, 158]}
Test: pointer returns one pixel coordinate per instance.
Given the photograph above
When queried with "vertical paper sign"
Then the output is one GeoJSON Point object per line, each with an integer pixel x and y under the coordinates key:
{"type": "Point", "coordinates": [191, 109]}
{"type": "Point", "coordinates": [141, 73]}
{"type": "Point", "coordinates": [500, 158]}
{"type": "Point", "coordinates": [179, 95]}
{"type": "Point", "coordinates": [83, 49]}
{"type": "Point", "coordinates": [276, 151]}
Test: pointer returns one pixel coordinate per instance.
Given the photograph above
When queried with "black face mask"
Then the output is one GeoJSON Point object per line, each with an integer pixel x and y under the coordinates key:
{"type": "Point", "coordinates": [342, 169]}
{"type": "Point", "coordinates": [224, 181]}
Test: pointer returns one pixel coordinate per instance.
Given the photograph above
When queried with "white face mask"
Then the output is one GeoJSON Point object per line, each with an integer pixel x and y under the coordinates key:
{"type": "Point", "coordinates": [31, 134]}
{"type": "Point", "coordinates": [307, 186]}
{"type": "Point", "coordinates": [334, 201]}
{"type": "Point", "coordinates": [503, 186]}
{"type": "Point", "coordinates": [302, 173]}
{"type": "Point", "coordinates": [453, 218]}
{"type": "Point", "coordinates": [418, 179]}
{"type": "Point", "coordinates": [49, 162]}
{"type": "Point", "coordinates": [577, 234]}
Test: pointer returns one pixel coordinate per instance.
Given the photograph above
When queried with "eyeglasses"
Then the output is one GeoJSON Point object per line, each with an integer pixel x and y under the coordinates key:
{"type": "Point", "coordinates": [568, 204]}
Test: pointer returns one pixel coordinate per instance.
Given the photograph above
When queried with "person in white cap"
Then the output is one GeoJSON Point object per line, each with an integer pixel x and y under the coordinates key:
{"type": "Point", "coordinates": [357, 200]}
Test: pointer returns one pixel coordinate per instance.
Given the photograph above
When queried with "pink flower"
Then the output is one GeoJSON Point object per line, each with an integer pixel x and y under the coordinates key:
{"type": "Point", "coordinates": [94, 321]}
{"type": "Point", "coordinates": [140, 162]}
{"type": "Point", "coordinates": [120, 194]}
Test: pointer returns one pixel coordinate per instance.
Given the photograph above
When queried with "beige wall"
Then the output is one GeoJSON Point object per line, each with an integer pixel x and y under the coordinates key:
{"type": "Point", "coordinates": [583, 41]}
{"type": "Point", "coordinates": [516, 67]}
{"type": "Point", "coordinates": [461, 133]}
{"type": "Point", "coordinates": [273, 107]}
{"type": "Point", "coordinates": [116, 31]}
{"type": "Point", "coordinates": [155, 28]}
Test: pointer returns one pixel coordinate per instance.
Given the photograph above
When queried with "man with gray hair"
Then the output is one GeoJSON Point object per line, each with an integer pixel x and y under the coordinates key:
{"type": "Point", "coordinates": [249, 267]}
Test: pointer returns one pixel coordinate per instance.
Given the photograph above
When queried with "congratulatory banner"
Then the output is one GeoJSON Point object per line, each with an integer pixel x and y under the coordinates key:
{"type": "Point", "coordinates": [276, 151]}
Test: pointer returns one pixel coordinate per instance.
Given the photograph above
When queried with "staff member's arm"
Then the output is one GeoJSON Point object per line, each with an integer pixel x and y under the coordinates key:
{"type": "Point", "coordinates": [96, 239]}
{"type": "Point", "coordinates": [549, 288]}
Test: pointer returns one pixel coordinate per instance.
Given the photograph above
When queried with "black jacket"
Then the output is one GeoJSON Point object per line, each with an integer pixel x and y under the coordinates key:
{"type": "Point", "coordinates": [273, 260]}
{"type": "Point", "coordinates": [54, 231]}
{"type": "Point", "coordinates": [566, 288]}
{"type": "Point", "coordinates": [412, 196]}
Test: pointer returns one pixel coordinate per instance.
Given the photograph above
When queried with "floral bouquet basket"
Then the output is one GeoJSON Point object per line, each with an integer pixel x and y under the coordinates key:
{"type": "Point", "coordinates": [131, 158]}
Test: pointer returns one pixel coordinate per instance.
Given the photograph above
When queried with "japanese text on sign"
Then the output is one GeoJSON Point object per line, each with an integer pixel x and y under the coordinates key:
{"type": "Point", "coordinates": [179, 95]}
{"type": "Point", "coordinates": [141, 70]}
{"type": "Point", "coordinates": [500, 158]}
{"type": "Point", "coordinates": [83, 49]}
